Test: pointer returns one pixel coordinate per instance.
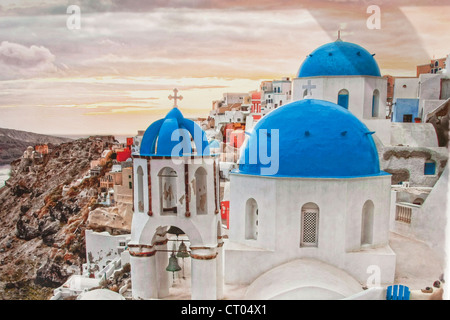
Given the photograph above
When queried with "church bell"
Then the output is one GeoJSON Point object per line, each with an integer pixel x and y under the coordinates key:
{"type": "Point", "coordinates": [182, 251]}
{"type": "Point", "coordinates": [173, 264]}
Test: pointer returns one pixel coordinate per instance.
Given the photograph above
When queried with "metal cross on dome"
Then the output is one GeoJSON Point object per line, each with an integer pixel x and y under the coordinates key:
{"type": "Point", "coordinates": [175, 97]}
{"type": "Point", "coordinates": [309, 88]}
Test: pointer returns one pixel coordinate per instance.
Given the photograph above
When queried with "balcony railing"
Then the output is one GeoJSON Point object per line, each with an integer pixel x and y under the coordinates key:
{"type": "Point", "coordinates": [403, 211]}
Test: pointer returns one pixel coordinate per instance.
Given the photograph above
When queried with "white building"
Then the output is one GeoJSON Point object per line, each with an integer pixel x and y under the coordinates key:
{"type": "Point", "coordinates": [232, 98]}
{"type": "Point", "coordinates": [328, 201]}
{"type": "Point", "coordinates": [418, 97]}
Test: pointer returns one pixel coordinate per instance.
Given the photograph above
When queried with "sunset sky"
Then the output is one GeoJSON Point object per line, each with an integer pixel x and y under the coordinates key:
{"type": "Point", "coordinates": [114, 74]}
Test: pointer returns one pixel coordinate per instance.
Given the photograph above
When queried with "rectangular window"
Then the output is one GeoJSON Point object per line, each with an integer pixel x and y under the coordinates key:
{"type": "Point", "coordinates": [407, 118]}
{"type": "Point", "coordinates": [309, 228]}
{"type": "Point", "coordinates": [130, 185]}
{"type": "Point", "coordinates": [430, 168]}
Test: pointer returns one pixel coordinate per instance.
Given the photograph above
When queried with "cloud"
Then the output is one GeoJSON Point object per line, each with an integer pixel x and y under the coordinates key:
{"type": "Point", "coordinates": [26, 7]}
{"type": "Point", "coordinates": [19, 61]}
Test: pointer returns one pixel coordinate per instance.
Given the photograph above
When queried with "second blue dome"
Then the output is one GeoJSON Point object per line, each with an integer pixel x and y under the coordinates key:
{"type": "Point", "coordinates": [339, 58]}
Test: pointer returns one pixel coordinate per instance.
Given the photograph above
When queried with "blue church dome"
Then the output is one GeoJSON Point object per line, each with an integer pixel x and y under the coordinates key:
{"type": "Point", "coordinates": [317, 139]}
{"type": "Point", "coordinates": [172, 136]}
{"type": "Point", "coordinates": [339, 58]}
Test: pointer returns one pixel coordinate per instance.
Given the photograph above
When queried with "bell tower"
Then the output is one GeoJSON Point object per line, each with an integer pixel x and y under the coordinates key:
{"type": "Point", "coordinates": [176, 185]}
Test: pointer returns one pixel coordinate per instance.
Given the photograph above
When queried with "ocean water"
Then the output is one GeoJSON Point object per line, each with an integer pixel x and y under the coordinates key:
{"type": "Point", "coordinates": [4, 175]}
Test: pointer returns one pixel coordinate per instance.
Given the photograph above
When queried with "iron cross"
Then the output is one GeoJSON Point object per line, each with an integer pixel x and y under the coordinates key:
{"type": "Point", "coordinates": [175, 98]}
{"type": "Point", "coordinates": [309, 87]}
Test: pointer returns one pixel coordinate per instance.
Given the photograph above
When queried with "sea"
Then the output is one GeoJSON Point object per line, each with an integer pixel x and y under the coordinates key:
{"type": "Point", "coordinates": [4, 174]}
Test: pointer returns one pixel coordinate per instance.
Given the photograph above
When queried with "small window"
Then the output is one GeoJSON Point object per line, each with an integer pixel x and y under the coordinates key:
{"type": "Point", "coordinates": [343, 96]}
{"type": "Point", "coordinates": [130, 185]}
{"type": "Point", "coordinates": [309, 225]}
{"type": "Point", "coordinates": [429, 168]}
{"type": "Point", "coordinates": [140, 191]}
{"type": "Point", "coordinates": [201, 191]}
{"type": "Point", "coordinates": [375, 103]}
{"type": "Point", "coordinates": [407, 118]}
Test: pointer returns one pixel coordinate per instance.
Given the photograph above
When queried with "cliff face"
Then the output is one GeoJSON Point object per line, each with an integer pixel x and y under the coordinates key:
{"type": "Point", "coordinates": [14, 142]}
{"type": "Point", "coordinates": [42, 231]}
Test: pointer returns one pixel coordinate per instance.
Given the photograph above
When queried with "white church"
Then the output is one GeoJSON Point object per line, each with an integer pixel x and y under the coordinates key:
{"type": "Point", "coordinates": [309, 205]}
{"type": "Point", "coordinates": [349, 75]}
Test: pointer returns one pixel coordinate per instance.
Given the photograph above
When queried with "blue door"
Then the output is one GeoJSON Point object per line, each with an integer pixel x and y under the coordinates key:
{"type": "Point", "coordinates": [343, 100]}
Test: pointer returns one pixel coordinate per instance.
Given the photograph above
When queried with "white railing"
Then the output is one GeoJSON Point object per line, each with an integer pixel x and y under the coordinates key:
{"type": "Point", "coordinates": [404, 211]}
{"type": "Point", "coordinates": [403, 214]}
{"type": "Point", "coordinates": [109, 269]}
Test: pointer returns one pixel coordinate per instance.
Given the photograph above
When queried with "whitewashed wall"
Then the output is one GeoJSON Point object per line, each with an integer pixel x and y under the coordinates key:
{"type": "Point", "coordinates": [280, 201]}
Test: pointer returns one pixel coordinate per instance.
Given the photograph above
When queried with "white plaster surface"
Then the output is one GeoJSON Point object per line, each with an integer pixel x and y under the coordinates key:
{"type": "Point", "coordinates": [280, 200]}
{"type": "Point", "coordinates": [417, 266]}
{"type": "Point", "coordinates": [303, 279]}
{"type": "Point", "coordinates": [100, 294]}
{"type": "Point", "coordinates": [413, 135]}
{"type": "Point", "coordinates": [360, 89]}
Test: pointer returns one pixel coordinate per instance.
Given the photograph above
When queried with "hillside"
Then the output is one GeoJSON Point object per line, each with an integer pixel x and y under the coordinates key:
{"type": "Point", "coordinates": [14, 142]}
{"type": "Point", "coordinates": [42, 230]}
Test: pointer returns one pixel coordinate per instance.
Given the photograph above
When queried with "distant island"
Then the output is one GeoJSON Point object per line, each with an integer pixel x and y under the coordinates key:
{"type": "Point", "coordinates": [14, 142]}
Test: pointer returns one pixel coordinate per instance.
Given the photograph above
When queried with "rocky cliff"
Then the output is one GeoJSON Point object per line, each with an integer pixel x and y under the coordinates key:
{"type": "Point", "coordinates": [42, 231]}
{"type": "Point", "coordinates": [14, 142]}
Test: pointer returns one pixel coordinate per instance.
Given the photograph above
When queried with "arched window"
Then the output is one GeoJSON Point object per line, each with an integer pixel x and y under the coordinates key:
{"type": "Point", "coordinates": [309, 225]}
{"type": "Point", "coordinates": [305, 93]}
{"type": "Point", "coordinates": [140, 190]}
{"type": "Point", "coordinates": [375, 103]}
{"type": "Point", "coordinates": [251, 220]}
{"type": "Point", "coordinates": [201, 191]}
{"type": "Point", "coordinates": [343, 97]}
{"type": "Point", "coordinates": [367, 223]}
{"type": "Point", "coordinates": [168, 191]}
